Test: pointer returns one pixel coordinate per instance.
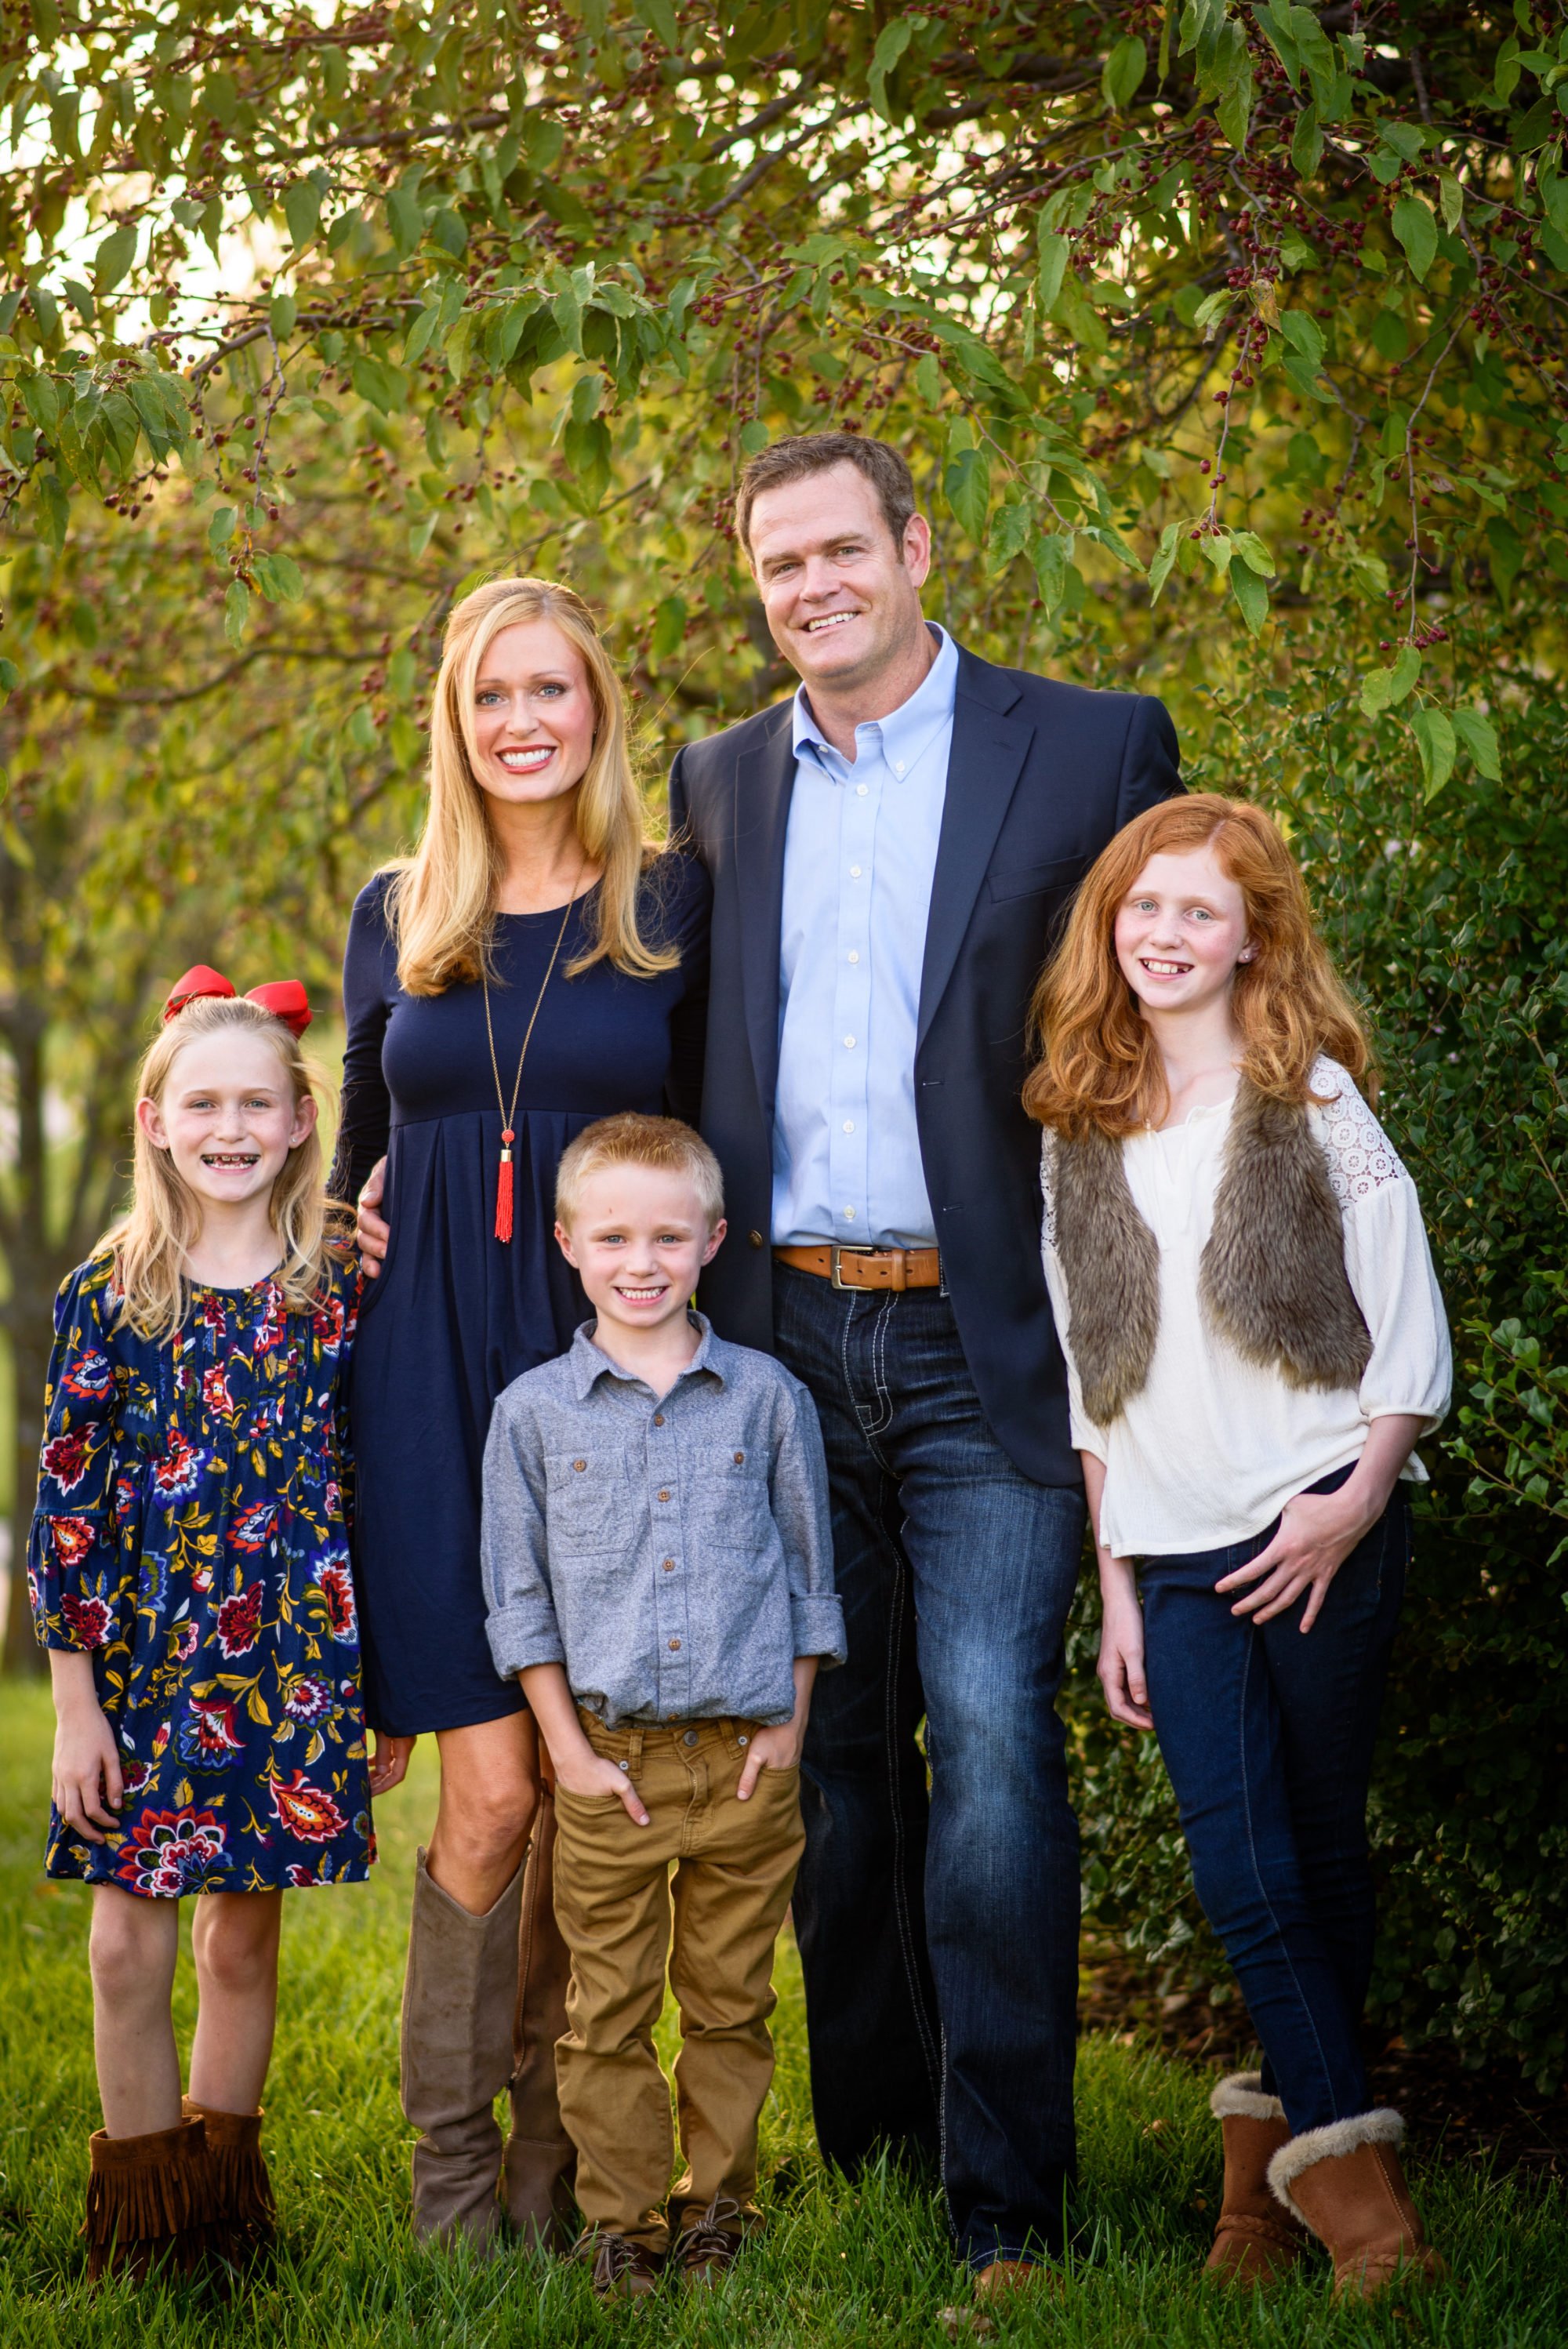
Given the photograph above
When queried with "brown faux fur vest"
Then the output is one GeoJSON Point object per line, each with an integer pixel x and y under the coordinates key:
{"type": "Point", "coordinates": [1271, 1279]}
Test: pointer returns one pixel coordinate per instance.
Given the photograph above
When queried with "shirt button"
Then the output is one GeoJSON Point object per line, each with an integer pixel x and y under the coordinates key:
{"type": "Point", "coordinates": [854, 954]}
{"type": "Point", "coordinates": [849, 1043]}
{"type": "Point", "coordinates": [690, 1737]}
{"type": "Point", "coordinates": [669, 1566]}
{"type": "Point", "coordinates": [580, 1465]}
{"type": "Point", "coordinates": [664, 1496]}
{"type": "Point", "coordinates": [658, 1419]}
{"type": "Point", "coordinates": [674, 1645]}
{"type": "Point", "coordinates": [860, 791]}
{"type": "Point", "coordinates": [848, 1215]}
{"type": "Point", "coordinates": [849, 1125]}
{"type": "Point", "coordinates": [898, 766]}
{"type": "Point", "coordinates": [740, 1459]}
{"type": "Point", "coordinates": [854, 871]}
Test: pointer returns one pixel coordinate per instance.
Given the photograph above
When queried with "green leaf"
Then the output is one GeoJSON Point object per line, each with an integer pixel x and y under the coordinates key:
{"type": "Point", "coordinates": [1165, 556]}
{"type": "Point", "coordinates": [1435, 741]}
{"type": "Point", "coordinates": [302, 209]}
{"type": "Point", "coordinates": [221, 529]}
{"type": "Point", "coordinates": [1306, 144]}
{"type": "Point", "coordinates": [54, 508]}
{"type": "Point", "coordinates": [282, 312]}
{"type": "Point", "coordinates": [1451, 198]}
{"type": "Point", "coordinates": [1234, 113]}
{"type": "Point", "coordinates": [1382, 688]}
{"type": "Point", "coordinates": [892, 43]}
{"type": "Point", "coordinates": [587, 448]}
{"type": "Point", "coordinates": [1251, 595]}
{"type": "Point", "coordinates": [1254, 554]}
{"type": "Point", "coordinates": [966, 484]}
{"type": "Point", "coordinates": [114, 257]}
{"type": "Point", "coordinates": [1052, 558]}
{"type": "Point", "coordinates": [236, 611]}
{"type": "Point", "coordinates": [1416, 230]}
{"type": "Point", "coordinates": [670, 628]}
{"type": "Point", "coordinates": [1054, 252]}
{"type": "Point", "coordinates": [405, 218]}
{"type": "Point", "coordinates": [421, 332]}
{"type": "Point", "coordinates": [10, 676]}
{"type": "Point", "coordinates": [1304, 334]}
{"type": "Point", "coordinates": [41, 397]}
{"type": "Point", "coordinates": [1124, 71]}
{"type": "Point", "coordinates": [1479, 736]}
{"type": "Point", "coordinates": [1009, 530]}
{"type": "Point", "coordinates": [754, 436]}
{"type": "Point", "coordinates": [659, 17]}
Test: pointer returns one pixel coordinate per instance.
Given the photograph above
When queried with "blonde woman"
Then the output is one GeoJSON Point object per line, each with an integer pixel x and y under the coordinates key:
{"type": "Point", "coordinates": [537, 964]}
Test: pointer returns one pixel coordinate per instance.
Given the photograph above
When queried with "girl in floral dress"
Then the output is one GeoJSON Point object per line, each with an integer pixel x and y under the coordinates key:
{"type": "Point", "coordinates": [188, 1574]}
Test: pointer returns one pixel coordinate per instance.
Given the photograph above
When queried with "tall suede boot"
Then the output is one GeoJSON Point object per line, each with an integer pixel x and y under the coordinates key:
{"type": "Point", "coordinates": [148, 2201]}
{"type": "Point", "coordinates": [244, 2220]}
{"type": "Point", "coordinates": [459, 2000]}
{"type": "Point", "coordinates": [1347, 2184]}
{"type": "Point", "coordinates": [1256, 2242]}
{"type": "Point", "coordinates": [540, 2163]}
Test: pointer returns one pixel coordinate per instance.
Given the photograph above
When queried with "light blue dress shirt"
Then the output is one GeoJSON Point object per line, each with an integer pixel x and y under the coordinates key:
{"type": "Point", "coordinates": [860, 856]}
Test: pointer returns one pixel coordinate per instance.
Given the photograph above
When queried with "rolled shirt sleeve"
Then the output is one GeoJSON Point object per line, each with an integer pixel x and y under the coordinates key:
{"type": "Point", "coordinates": [1388, 1261]}
{"type": "Point", "coordinates": [513, 1553]}
{"type": "Point", "coordinates": [798, 1487]}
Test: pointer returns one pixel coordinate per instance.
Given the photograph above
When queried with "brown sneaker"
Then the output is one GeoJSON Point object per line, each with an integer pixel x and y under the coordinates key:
{"type": "Point", "coordinates": [706, 2249]}
{"type": "Point", "coordinates": [621, 2269]}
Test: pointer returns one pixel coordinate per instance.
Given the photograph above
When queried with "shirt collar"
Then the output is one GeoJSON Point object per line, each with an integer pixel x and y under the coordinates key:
{"type": "Point", "coordinates": [905, 732]}
{"type": "Point", "coordinates": [587, 1365]}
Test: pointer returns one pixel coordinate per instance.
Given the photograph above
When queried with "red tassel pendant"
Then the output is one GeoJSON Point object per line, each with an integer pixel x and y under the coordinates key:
{"type": "Point", "coordinates": [503, 1188]}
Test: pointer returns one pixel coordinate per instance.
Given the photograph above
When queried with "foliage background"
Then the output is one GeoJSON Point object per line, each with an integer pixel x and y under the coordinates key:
{"type": "Point", "coordinates": [1227, 344]}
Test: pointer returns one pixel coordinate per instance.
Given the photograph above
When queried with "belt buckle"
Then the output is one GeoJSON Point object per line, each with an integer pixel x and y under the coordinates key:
{"type": "Point", "coordinates": [836, 1250]}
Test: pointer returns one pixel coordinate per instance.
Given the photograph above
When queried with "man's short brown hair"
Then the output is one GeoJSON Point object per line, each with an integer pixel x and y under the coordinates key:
{"type": "Point", "coordinates": [631, 1139]}
{"type": "Point", "coordinates": [816, 452]}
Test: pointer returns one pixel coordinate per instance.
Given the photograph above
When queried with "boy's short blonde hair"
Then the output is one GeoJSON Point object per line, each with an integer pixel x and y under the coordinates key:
{"type": "Point", "coordinates": [630, 1139]}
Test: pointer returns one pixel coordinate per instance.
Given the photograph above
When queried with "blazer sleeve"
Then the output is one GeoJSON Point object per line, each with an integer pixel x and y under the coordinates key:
{"type": "Point", "coordinates": [1151, 761]}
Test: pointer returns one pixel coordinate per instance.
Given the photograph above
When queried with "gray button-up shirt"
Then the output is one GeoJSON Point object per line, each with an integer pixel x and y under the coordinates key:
{"type": "Point", "coordinates": [675, 1554]}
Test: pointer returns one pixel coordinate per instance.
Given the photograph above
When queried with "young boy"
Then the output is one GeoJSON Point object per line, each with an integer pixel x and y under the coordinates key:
{"type": "Point", "coordinates": [658, 1572]}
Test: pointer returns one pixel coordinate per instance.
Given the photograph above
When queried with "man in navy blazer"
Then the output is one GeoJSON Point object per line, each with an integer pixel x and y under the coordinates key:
{"type": "Point", "coordinates": [891, 851]}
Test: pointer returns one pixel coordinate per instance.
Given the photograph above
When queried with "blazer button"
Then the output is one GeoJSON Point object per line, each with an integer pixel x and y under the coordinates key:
{"type": "Point", "coordinates": [755, 1239]}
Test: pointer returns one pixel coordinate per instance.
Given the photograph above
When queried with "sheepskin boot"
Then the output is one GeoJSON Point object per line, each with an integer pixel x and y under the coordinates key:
{"type": "Point", "coordinates": [1346, 2183]}
{"type": "Point", "coordinates": [539, 2164]}
{"type": "Point", "coordinates": [457, 2003]}
{"type": "Point", "coordinates": [1256, 2242]}
{"type": "Point", "coordinates": [243, 2222]}
{"type": "Point", "coordinates": [148, 2201]}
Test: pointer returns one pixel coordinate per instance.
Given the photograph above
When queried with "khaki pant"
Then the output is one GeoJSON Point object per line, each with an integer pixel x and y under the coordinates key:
{"type": "Point", "coordinates": [734, 1868]}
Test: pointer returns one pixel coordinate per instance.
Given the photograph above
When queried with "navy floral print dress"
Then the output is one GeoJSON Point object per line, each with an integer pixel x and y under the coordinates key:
{"type": "Point", "coordinates": [191, 1536]}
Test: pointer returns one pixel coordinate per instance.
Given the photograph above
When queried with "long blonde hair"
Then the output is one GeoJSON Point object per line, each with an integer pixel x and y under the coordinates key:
{"type": "Point", "coordinates": [441, 901]}
{"type": "Point", "coordinates": [1099, 1065]}
{"type": "Point", "coordinates": [164, 1220]}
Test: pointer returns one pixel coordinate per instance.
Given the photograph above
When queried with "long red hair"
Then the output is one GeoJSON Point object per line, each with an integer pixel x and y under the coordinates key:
{"type": "Point", "coordinates": [1099, 1066]}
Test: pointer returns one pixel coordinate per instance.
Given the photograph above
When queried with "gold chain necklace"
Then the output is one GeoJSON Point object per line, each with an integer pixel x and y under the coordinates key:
{"type": "Point", "coordinates": [509, 1116]}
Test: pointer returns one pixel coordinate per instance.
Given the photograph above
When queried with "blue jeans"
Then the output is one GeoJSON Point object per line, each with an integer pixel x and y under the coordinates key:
{"type": "Point", "coordinates": [938, 1930]}
{"type": "Point", "coordinates": [1268, 1738]}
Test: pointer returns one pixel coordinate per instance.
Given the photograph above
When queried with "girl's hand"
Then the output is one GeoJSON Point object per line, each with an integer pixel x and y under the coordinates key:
{"type": "Point", "coordinates": [86, 1783]}
{"type": "Point", "coordinates": [587, 1773]}
{"type": "Point", "coordinates": [1120, 1666]}
{"type": "Point", "coordinates": [389, 1760]}
{"type": "Point", "coordinates": [371, 1231]}
{"type": "Point", "coordinates": [1317, 1532]}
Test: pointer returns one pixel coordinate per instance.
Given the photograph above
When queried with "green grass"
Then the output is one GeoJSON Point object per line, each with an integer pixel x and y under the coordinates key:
{"type": "Point", "coordinates": [843, 2264]}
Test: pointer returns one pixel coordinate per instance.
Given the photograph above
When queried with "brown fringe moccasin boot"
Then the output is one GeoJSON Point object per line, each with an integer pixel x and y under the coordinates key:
{"type": "Point", "coordinates": [1255, 2241]}
{"type": "Point", "coordinates": [243, 2224]}
{"type": "Point", "coordinates": [1347, 2184]}
{"type": "Point", "coordinates": [149, 2202]}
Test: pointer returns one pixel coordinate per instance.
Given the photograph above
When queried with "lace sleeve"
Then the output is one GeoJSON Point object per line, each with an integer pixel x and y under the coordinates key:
{"type": "Point", "coordinates": [1361, 1158]}
{"type": "Point", "coordinates": [1049, 1188]}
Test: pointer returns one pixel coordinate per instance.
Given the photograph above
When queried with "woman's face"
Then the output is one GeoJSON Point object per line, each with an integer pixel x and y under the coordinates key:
{"type": "Point", "coordinates": [532, 720]}
{"type": "Point", "coordinates": [1181, 930]}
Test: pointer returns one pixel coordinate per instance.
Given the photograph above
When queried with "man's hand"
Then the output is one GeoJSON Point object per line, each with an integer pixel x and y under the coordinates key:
{"type": "Point", "coordinates": [372, 1231]}
{"type": "Point", "coordinates": [389, 1762]}
{"type": "Point", "coordinates": [86, 1779]}
{"type": "Point", "coordinates": [1120, 1666]}
{"type": "Point", "coordinates": [779, 1748]}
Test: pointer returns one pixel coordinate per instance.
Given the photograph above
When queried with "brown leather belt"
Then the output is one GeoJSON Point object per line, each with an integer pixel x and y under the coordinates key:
{"type": "Point", "coordinates": [893, 1269]}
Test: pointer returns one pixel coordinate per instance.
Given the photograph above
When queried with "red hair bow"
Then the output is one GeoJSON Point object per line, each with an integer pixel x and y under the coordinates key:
{"type": "Point", "coordinates": [286, 998]}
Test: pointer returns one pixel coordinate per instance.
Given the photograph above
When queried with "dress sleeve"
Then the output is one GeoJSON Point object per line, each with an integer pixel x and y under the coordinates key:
{"type": "Point", "coordinates": [1085, 1434]}
{"type": "Point", "coordinates": [1387, 1259]}
{"type": "Point", "coordinates": [365, 1118]}
{"type": "Point", "coordinates": [798, 1489]}
{"type": "Point", "coordinates": [692, 911]}
{"type": "Point", "coordinates": [73, 1556]}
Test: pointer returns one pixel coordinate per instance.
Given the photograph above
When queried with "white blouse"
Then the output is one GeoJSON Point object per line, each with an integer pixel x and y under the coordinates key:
{"type": "Point", "coordinates": [1213, 1447]}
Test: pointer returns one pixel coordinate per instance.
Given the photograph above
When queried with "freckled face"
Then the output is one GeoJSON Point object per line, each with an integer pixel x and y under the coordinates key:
{"type": "Point", "coordinates": [532, 720]}
{"type": "Point", "coordinates": [228, 1118]}
{"type": "Point", "coordinates": [1181, 930]}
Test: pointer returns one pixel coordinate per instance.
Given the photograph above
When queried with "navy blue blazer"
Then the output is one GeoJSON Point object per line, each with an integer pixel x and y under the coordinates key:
{"type": "Point", "coordinates": [1040, 776]}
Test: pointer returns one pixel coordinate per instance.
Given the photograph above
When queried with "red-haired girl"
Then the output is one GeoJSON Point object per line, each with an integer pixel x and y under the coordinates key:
{"type": "Point", "coordinates": [188, 1573]}
{"type": "Point", "coordinates": [1255, 1342]}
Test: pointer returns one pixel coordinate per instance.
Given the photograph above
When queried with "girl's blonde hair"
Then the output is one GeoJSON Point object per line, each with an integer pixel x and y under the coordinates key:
{"type": "Point", "coordinates": [1099, 1066]}
{"type": "Point", "coordinates": [441, 901]}
{"type": "Point", "coordinates": [150, 1241]}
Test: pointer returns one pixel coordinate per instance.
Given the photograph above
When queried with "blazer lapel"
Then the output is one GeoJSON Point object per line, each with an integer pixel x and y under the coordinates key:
{"type": "Point", "coordinates": [989, 747]}
{"type": "Point", "coordinates": [764, 782]}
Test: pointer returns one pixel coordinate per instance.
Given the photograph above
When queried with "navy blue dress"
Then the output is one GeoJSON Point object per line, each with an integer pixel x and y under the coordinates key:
{"type": "Point", "coordinates": [457, 1314]}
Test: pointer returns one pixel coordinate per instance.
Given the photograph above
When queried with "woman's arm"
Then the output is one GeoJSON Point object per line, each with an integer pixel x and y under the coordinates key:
{"type": "Point", "coordinates": [1120, 1666]}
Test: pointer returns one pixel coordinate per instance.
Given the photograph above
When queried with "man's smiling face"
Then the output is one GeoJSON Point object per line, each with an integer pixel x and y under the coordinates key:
{"type": "Point", "coordinates": [842, 599]}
